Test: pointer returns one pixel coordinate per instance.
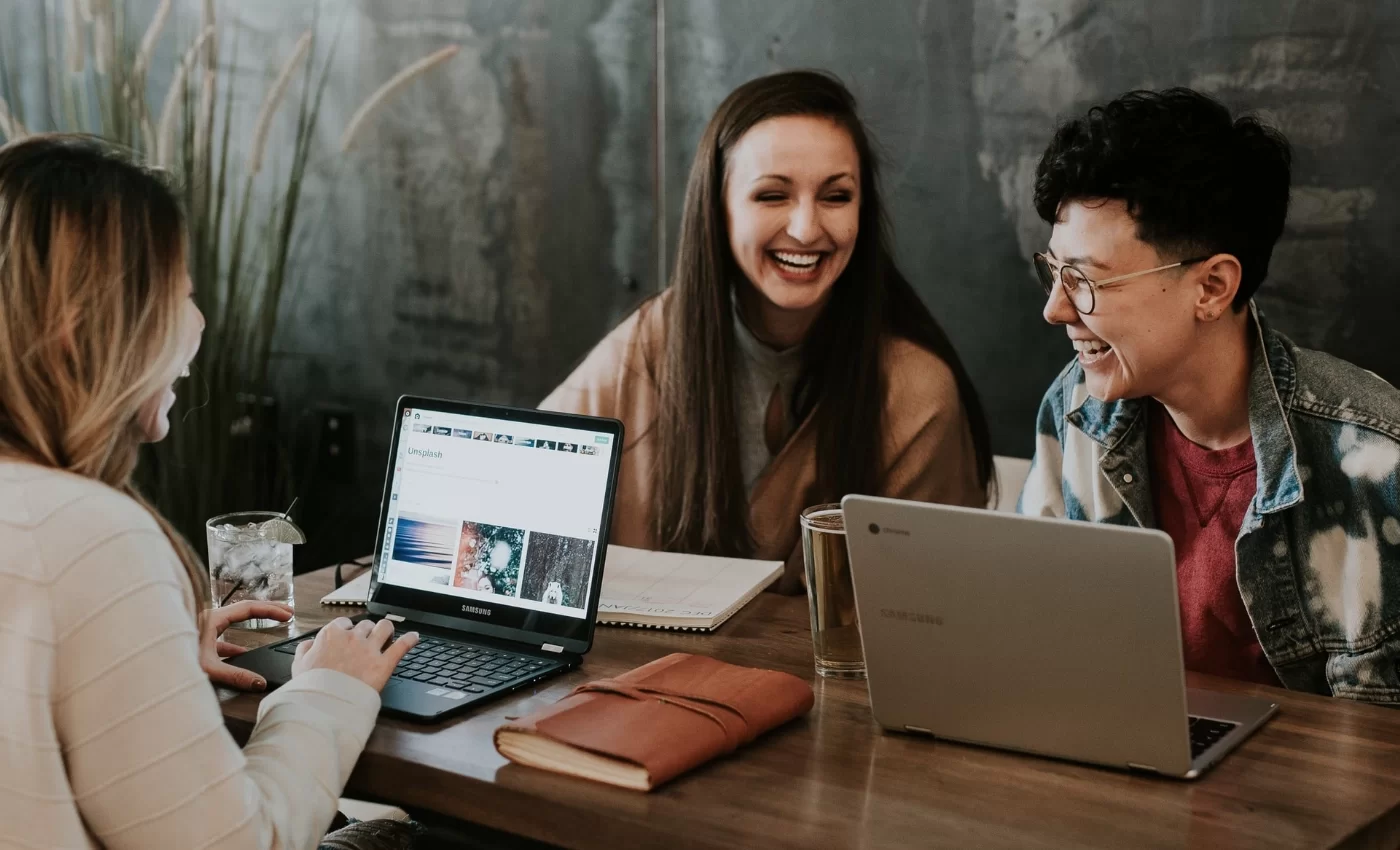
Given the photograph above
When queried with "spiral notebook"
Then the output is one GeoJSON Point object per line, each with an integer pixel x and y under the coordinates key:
{"type": "Point", "coordinates": [664, 590]}
{"type": "Point", "coordinates": [354, 592]}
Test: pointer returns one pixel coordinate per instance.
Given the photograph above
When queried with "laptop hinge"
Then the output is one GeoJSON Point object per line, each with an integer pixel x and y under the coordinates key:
{"type": "Point", "coordinates": [393, 618]}
{"type": "Point", "coordinates": [549, 647]}
{"type": "Point", "coordinates": [1142, 767]}
{"type": "Point", "coordinates": [917, 729]}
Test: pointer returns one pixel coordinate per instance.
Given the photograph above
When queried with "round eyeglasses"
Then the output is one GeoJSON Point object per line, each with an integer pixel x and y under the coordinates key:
{"type": "Point", "coordinates": [1080, 290]}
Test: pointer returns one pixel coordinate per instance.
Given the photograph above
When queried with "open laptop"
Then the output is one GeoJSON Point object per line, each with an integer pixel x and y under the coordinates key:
{"type": "Point", "coordinates": [1040, 635]}
{"type": "Point", "coordinates": [492, 534]}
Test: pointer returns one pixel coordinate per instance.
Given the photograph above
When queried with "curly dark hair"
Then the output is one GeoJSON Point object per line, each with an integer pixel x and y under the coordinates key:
{"type": "Point", "coordinates": [1196, 180]}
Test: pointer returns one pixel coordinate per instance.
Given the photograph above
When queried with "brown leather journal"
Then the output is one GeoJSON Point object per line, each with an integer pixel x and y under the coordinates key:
{"type": "Point", "coordinates": [654, 723]}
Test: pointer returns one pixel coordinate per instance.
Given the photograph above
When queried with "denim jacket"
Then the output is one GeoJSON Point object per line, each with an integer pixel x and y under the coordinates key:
{"type": "Point", "coordinates": [1317, 558]}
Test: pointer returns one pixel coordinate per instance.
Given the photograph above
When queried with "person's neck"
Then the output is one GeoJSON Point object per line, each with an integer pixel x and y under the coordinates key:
{"type": "Point", "coordinates": [771, 325]}
{"type": "Point", "coordinates": [1209, 401]}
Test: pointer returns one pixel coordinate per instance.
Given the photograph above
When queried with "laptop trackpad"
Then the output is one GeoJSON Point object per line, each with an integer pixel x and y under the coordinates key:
{"type": "Point", "coordinates": [275, 667]}
{"type": "Point", "coordinates": [420, 700]}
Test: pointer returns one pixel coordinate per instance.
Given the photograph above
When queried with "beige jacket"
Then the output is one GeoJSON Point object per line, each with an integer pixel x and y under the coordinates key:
{"type": "Point", "coordinates": [927, 440]}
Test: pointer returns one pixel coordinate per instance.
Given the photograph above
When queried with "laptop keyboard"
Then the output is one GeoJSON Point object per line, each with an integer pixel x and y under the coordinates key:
{"type": "Point", "coordinates": [459, 666]}
{"type": "Point", "coordinates": [1205, 733]}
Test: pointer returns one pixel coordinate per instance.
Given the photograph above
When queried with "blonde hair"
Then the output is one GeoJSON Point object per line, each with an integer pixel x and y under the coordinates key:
{"type": "Point", "coordinates": [92, 262]}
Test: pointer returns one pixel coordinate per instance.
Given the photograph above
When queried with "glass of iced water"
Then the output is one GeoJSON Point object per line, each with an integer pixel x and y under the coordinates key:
{"type": "Point", "coordinates": [250, 557]}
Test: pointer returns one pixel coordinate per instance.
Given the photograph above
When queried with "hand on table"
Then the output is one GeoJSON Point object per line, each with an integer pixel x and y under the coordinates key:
{"type": "Point", "coordinates": [212, 650]}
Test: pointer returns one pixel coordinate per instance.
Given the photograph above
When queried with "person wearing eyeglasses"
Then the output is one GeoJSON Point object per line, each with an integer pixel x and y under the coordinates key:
{"type": "Point", "coordinates": [1274, 469]}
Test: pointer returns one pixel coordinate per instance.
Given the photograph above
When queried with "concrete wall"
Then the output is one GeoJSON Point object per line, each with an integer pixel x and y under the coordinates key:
{"type": "Point", "coordinates": [503, 213]}
{"type": "Point", "coordinates": [495, 221]}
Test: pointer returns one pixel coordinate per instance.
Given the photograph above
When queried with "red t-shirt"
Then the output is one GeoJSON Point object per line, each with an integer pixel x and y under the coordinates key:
{"type": "Point", "coordinates": [1201, 497]}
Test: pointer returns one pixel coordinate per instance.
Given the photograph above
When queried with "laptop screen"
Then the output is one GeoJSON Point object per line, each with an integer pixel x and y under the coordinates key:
{"type": "Point", "coordinates": [496, 512]}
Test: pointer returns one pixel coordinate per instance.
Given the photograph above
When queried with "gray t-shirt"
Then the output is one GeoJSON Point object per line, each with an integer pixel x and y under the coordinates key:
{"type": "Point", "coordinates": [760, 369]}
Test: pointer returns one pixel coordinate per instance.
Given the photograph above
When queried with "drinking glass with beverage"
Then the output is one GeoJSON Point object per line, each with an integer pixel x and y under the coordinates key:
{"type": "Point", "coordinates": [831, 597]}
{"type": "Point", "coordinates": [250, 557]}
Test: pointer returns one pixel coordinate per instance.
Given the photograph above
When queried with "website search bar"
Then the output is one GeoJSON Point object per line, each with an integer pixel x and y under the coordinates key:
{"type": "Point", "coordinates": [424, 469]}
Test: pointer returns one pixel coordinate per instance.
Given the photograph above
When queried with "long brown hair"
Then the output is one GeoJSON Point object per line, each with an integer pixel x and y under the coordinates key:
{"type": "Point", "coordinates": [702, 503]}
{"type": "Point", "coordinates": [92, 262]}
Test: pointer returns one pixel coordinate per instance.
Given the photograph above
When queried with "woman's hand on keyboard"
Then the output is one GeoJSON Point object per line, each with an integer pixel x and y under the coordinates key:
{"type": "Point", "coordinates": [361, 650]}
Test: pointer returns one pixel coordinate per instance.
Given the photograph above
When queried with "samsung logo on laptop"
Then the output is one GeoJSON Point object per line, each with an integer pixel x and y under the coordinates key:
{"type": "Point", "coordinates": [876, 529]}
{"type": "Point", "coordinates": [472, 609]}
{"type": "Point", "coordinates": [910, 616]}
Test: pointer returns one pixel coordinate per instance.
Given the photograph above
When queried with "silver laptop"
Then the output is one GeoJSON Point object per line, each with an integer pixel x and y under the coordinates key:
{"type": "Point", "coordinates": [1044, 636]}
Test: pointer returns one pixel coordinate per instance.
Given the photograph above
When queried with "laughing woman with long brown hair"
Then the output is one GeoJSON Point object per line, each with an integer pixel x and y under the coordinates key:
{"type": "Point", "coordinates": [789, 362]}
{"type": "Point", "coordinates": [110, 733]}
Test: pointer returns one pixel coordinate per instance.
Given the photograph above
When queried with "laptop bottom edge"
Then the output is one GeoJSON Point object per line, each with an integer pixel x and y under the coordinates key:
{"type": "Point", "coordinates": [1248, 713]}
{"type": "Point", "coordinates": [421, 703]}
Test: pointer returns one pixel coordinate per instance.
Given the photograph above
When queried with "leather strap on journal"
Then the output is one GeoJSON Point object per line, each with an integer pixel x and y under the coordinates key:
{"type": "Point", "coordinates": [733, 737]}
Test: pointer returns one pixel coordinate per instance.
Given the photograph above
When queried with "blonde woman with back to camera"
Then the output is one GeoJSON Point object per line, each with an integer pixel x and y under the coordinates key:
{"type": "Point", "coordinates": [110, 732]}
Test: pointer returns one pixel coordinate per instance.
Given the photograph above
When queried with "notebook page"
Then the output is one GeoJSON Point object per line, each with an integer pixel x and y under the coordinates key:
{"type": "Point", "coordinates": [355, 592]}
{"type": "Point", "coordinates": [661, 586]}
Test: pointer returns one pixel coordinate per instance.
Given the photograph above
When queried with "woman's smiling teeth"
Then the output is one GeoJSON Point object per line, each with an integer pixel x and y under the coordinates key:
{"type": "Point", "coordinates": [1092, 350]}
{"type": "Point", "coordinates": [796, 261]}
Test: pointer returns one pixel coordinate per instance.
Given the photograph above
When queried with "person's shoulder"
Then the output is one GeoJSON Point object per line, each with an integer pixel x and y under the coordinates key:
{"type": "Point", "coordinates": [1336, 389]}
{"type": "Point", "coordinates": [64, 516]}
{"type": "Point", "coordinates": [915, 375]}
{"type": "Point", "coordinates": [640, 333]}
{"type": "Point", "coordinates": [38, 494]}
{"type": "Point", "coordinates": [617, 368]}
{"type": "Point", "coordinates": [646, 321]}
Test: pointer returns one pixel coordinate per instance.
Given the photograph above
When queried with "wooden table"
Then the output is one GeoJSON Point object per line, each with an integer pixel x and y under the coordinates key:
{"type": "Point", "coordinates": [1324, 773]}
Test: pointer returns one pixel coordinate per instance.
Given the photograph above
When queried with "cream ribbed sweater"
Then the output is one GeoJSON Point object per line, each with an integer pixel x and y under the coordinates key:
{"type": "Point", "coordinates": [110, 733]}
